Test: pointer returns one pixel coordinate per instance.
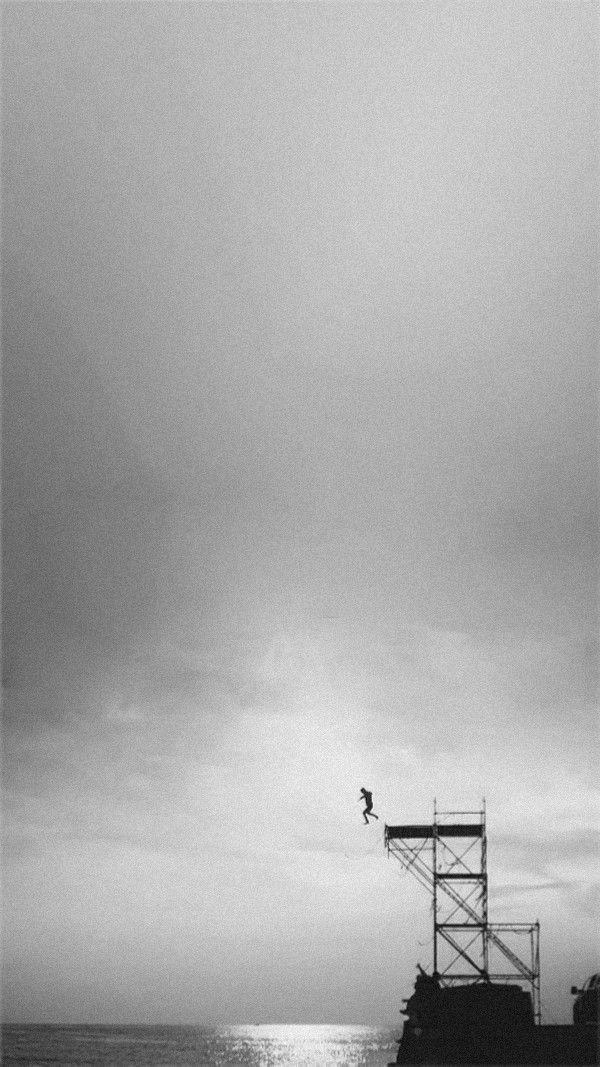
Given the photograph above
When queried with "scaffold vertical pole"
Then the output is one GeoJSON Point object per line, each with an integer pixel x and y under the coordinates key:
{"type": "Point", "coordinates": [435, 900]}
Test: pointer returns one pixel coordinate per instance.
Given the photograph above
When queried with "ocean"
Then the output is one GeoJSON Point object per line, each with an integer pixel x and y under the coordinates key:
{"type": "Point", "coordinates": [175, 1046]}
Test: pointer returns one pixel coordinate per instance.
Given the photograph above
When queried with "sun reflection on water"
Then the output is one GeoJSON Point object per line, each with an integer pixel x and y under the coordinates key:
{"type": "Point", "coordinates": [200, 1046]}
{"type": "Point", "coordinates": [308, 1046]}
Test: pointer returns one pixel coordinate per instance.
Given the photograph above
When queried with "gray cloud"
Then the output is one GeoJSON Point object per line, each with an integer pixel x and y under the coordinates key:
{"type": "Point", "coordinates": [299, 454]}
{"type": "Point", "coordinates": [545, 850]}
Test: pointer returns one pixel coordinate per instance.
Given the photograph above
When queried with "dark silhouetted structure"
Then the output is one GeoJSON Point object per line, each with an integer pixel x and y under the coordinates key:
{"type": "Point", "coordinates": [470, 1009]}
{"type": "Point", "coordinates": [449, 857]}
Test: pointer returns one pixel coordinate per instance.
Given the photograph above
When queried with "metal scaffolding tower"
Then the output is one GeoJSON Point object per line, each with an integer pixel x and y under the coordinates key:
{"type": "Point", "coordinates": [449, 857]}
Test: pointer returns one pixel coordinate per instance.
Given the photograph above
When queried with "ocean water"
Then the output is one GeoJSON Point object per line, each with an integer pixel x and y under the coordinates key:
{"type": "Point", "coordinates": [174, 1046]}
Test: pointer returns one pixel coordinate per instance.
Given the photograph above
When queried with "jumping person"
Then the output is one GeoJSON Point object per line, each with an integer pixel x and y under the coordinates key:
{"type": "Point", "coordinates": [368, 799]}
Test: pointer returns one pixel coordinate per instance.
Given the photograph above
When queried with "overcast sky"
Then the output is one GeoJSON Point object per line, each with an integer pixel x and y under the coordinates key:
{"type": "Point", "coordinates": [300, 495]}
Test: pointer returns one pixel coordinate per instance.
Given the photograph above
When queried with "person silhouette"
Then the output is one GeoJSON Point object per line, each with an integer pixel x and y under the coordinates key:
{"type": "Point", "coordinates": [368, 810]}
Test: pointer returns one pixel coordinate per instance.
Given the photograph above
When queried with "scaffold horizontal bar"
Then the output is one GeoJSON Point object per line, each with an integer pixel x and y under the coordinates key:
{"type": "Point", "coordinates": [468, 829]}
{"type": "Point", "coordinates": [514, 926]}
{"type": "Point", "coordinates": [460, 813]}
{"type": "Point", "coordinates": [393, 832]}
{"type": "Point", "coordinates": [447, 979]}
{"type": "Point", "coordinates": [467, 877]}
{"type": "Point", "coordinates": [460, 926]}
{"type": "Point", "coordinates": [423, 831]}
